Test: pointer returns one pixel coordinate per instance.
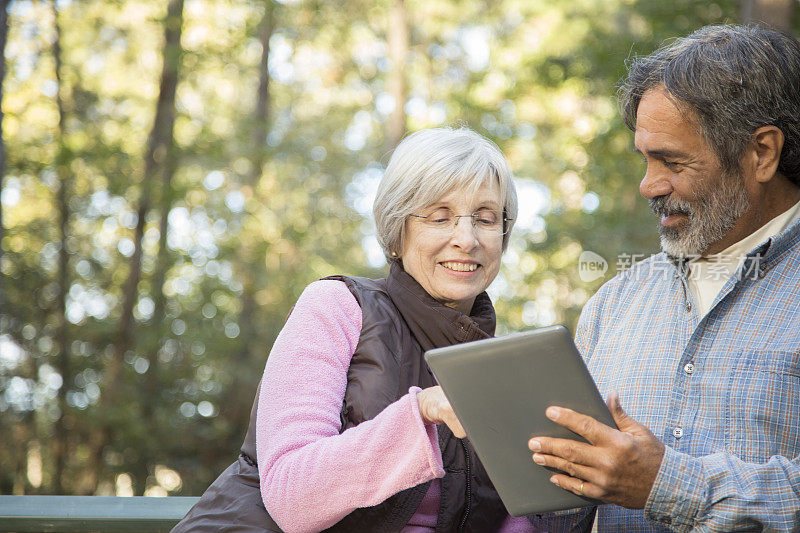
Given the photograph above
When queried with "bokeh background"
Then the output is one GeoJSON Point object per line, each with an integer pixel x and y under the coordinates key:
{"type": "Point", "coordinates": [174, 172]}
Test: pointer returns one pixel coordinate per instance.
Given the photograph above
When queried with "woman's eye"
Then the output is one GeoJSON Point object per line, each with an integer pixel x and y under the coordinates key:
{"type": "Point", "coordinates": [486, 218]}
{"type": "Point", "coordinates": [440, 216]}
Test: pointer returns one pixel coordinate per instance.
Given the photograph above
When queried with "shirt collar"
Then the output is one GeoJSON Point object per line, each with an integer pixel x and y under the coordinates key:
{"type": "Point", "coordinates": [774, 248]}
{"type": "Point", "coordinates": [763, 256]}
{"type": "Point", "coordinates": [761, 235]}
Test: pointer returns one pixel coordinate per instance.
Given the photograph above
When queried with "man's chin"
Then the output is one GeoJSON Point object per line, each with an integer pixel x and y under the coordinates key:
{"type": "Point", "coordinates": [678, 251]}
{"type": "Point", "coordinates": [680, 244]}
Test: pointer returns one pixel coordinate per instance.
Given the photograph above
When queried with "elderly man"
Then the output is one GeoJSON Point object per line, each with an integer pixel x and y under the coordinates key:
{"type": "Point", "coordinates": [700, 342]}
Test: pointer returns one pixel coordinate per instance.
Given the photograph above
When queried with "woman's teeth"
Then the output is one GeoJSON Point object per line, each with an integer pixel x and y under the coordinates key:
{"type": "Point", "coordinates": [460, 267]}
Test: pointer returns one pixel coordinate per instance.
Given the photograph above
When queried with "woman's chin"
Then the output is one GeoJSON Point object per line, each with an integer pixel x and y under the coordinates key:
{"type": "Point", "coordinates": [459, 297]}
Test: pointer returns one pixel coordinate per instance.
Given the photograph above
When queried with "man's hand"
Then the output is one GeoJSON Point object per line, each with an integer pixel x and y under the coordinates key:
{"type": "Point", "coordinates": [615, 467]}
{"type": "Point", "coordinates": [434, 408]}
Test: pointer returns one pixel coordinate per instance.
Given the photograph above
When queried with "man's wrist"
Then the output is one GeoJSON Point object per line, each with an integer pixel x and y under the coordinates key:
{"type": "Point", "coordinates": [677, 491]}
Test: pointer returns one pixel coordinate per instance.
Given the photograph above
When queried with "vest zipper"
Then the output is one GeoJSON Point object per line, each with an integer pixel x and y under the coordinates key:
{"type": "Point", "coordinates": [469, 487]}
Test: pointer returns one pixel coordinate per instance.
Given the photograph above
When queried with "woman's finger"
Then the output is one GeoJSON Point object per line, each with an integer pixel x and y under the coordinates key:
{"type": "Point", "coordinates": [454, 424]}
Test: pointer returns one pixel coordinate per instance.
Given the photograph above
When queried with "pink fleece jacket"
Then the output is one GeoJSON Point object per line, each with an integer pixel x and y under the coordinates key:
{"type": "Point", "coordinates": [311, 475]}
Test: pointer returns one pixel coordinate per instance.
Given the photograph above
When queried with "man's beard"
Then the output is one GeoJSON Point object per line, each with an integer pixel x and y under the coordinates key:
{"type": "Point", "coordinates": [711, 215]}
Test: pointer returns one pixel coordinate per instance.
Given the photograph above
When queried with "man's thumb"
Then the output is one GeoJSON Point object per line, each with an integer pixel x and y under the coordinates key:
{"type": "Point", "coordinates": [621, 418]}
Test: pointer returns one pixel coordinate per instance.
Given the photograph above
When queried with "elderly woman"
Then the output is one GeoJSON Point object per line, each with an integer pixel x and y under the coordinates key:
{"type": "Point", "coordinates": [352, 433]}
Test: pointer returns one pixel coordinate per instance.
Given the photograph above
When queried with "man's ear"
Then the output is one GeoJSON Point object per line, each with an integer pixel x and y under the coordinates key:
{"type": "Point", "coordinates": [767, 146]}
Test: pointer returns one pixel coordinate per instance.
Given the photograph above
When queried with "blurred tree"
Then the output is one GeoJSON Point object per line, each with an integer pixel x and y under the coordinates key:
{"type": "Point", "coordinates": [3, 37]}
{"type": "Point", "coordinates": [63, 172]}
{"type": "Point", "coordinates": [163, 149]}
{"type": "Point", "coordinates": [175, 271]}
{"type": "Point", "coordinates": [156, 163]}
{"type": "Point", "coordinates": [252, 251]}
{"type": "Point", "coordinates": [397, 43]}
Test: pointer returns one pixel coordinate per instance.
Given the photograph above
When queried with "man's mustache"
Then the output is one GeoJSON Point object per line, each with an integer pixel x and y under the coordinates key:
{"type": "Point", "coordinates": [665, 206]}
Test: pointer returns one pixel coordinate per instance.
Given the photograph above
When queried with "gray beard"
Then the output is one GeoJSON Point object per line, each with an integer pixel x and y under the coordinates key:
{"type": "Point", "coordinates": [711, 215]}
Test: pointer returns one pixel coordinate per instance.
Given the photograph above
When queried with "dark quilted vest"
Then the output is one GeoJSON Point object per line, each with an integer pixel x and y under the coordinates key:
{"type": "Point", "coordinates": [388, 360]}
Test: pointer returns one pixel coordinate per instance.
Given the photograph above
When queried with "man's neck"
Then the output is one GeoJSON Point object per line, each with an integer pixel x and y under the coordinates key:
{"type": "Point", "coordinates": [780, 196]}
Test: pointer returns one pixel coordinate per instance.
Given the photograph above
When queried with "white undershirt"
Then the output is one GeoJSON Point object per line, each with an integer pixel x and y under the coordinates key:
{"type": "Point", "coordinates": [708, 274]}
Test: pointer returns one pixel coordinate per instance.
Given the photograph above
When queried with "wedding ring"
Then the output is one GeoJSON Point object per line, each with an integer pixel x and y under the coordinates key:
{"type": "Point", "coordinates": [580, 489]}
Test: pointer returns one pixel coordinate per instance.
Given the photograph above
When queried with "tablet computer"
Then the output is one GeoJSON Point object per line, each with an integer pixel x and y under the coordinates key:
{"type": "Point", "coordinates": [499, 389]}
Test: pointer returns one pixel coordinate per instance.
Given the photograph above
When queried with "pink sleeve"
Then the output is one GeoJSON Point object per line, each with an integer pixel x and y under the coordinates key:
{"type": "Point", "coordinates": [312, 476]}
{"type": "Point", "coordinates": [517, 524]}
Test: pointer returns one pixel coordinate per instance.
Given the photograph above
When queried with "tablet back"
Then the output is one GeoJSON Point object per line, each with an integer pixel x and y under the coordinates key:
{"type": "Point", "coordinates": [499, 389]}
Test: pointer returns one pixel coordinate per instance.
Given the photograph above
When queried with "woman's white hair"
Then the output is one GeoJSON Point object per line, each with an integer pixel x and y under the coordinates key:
{"type": "Point", "coordinates": [427, 165]}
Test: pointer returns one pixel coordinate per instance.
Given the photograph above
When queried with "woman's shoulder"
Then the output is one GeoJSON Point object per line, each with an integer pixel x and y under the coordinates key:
{"type": "Point", "coordinates": [323, 307]}
{"type": "Point", "coordinates": [327, 293]}
{"type": "Point", "coordinates": [358, 284]}
{"type": "Point", "coordinates": [364, 298]}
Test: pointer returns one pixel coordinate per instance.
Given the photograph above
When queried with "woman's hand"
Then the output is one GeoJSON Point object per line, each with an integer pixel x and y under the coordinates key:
{"type": "Point", "coordinates": [435, 409]}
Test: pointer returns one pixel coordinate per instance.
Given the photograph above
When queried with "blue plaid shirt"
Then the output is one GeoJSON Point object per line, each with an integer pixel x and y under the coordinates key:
{"type": "Point", "coordinates": [721, 391]}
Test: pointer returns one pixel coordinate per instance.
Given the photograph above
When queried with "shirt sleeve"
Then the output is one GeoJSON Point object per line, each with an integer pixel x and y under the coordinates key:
{"type": "Point", "coordinates": [719, 492]}
{"type": "Point", "coordinates": [311, 475]}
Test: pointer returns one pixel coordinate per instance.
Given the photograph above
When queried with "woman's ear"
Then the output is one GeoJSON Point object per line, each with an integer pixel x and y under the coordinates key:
{"type": "Point", "coordinates": [767, 146]}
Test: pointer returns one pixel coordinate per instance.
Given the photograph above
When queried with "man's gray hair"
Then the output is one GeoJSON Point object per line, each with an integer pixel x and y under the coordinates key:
{"type": "Point", "coordinates": [735, 79]}
{"type": "Point", "coordinates": [427, 165]}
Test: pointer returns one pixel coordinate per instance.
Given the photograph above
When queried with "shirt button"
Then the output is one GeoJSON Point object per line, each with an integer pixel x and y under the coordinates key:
{"type": "Point", "coordinates": [688, 306]}
{"type": "Point", "coordinates": [688, 368]}
{"type": "Point", "coordinates": [677, 433]}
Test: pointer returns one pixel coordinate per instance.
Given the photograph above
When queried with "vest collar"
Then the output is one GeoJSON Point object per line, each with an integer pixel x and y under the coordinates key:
{"type": "Point", "coordinates": [433, 324]}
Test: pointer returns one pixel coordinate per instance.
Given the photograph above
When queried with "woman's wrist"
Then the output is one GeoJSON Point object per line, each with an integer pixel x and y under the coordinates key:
{"type": "Point", "coordinates": [423, 404]}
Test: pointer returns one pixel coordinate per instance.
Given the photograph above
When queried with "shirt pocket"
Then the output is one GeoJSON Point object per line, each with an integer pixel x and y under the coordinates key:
{"type": "Point", "coordinates": [764, 405]}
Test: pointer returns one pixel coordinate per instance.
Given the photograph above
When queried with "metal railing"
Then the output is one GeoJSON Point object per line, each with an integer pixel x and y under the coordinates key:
{"type": "Point", "coordinates": [92, 513]}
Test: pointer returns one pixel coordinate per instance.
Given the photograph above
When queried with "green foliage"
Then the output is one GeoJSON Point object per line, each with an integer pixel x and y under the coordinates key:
{"type": "Point", "coordinates": [538, 77]}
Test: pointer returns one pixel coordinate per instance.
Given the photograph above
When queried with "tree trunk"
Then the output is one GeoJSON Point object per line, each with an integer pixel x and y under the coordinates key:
{"type": "Point", "coordinates": [158, 144]}
{"type": "Point", "coordinates": [150, 396]}
{"type": "Point", "coordinates": [20, 437]}
{"type": "Point", "coordinates": [63, 172]}
{"type": "Point", "coordinates": [156, 161]}
{"type": "Point", "coordinates": [3, 36]}
{"type": "Point", "coordinates": [774, 13]}
{"type": "Point", "coordinates": [261, 112]}
{"type": "Point", "coordinates": [397, 41]}
{"type": "Point", "coordinates": [260, 126]}
{"type": "Point", "coordinates": [249, 263]}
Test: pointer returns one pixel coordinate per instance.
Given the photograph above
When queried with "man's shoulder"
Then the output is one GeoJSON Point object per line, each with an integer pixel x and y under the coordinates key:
{"type": "Point", "coordinates": [642, 274]}
{"type": "Point", "coordinates": [652, 275]}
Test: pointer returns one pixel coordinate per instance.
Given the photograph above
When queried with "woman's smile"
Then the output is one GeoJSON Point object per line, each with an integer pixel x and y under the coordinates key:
{"type": "Point", "coordinates": [460, 266]}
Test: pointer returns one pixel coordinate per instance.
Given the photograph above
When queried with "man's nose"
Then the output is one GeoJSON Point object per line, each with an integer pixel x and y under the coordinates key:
{"type": "Point", "coordinates": [654, 183]}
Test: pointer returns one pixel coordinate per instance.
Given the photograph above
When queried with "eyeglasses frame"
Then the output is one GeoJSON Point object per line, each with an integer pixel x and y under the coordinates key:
{"type": "Point", "coordinates": [473, 216]}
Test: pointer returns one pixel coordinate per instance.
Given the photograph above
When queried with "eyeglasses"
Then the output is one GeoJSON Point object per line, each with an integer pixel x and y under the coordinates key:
{"type": "Point", "coordinates": [484, 222]}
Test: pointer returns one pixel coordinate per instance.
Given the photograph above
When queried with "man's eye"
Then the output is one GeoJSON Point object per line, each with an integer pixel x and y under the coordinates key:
{"type": "Point", "coordinates": [671, 165]}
